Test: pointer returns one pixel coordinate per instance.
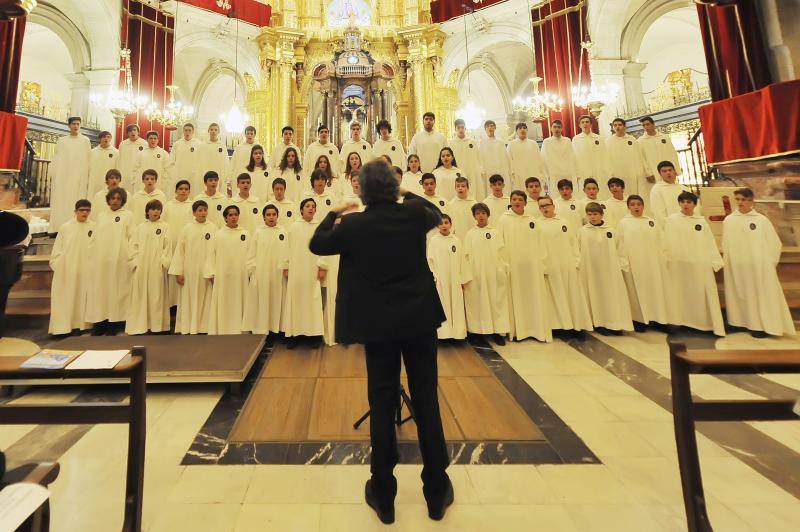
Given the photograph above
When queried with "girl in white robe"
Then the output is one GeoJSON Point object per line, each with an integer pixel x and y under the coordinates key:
{"type": "Point", "coordinates": [228, 269]}
{"type": "Point", "coordinates": [292, 172]}
{"type": "Point", "coordinates": [188, 264]}
{"type": "Point", "coordinates": [412, 179]}
{"type": "Point", "coordinates": [150, 253]}
{"type": "Point", "coordinates": [259, 172]}
{"type": "Point", "coordinates": [446, 173]}
{"type": "Point", "coordinates": [177, 213]}
{"type": "Point", "coordinates": [447, 261]}
{"type": "Point", "coordinates": [69, 261]}
{"type": "Point", "coordinates": [264, 302]}
{"type": "Point", "coordinates": [334, 184]}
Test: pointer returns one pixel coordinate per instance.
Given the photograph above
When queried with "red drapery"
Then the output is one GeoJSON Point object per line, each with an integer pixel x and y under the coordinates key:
{"type": "Point", "coordinates": [149, 34]}
{"type": "Point", "coordinates": [11, 35]}
{"type": "Point", "coordinates": [559, 26]}
{"type": "Point", "coordinates": [444, 10]}
{"type": "Point", "coordinates": [12, 132]}
{"type": "Point", "coordinates": [248, 11]}
{"type": "Point", "coordinates": [735, 51]}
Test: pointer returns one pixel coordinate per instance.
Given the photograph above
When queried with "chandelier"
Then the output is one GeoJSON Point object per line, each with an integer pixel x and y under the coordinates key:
{"type": "Point", "coordinates": [594, 97]}
{"type": "Point", "coordinates": [538, 105]}
{"type": "Point", "coordinates": [235, 119]}
{"type": "Point", "coordinates": [469, 112]}
{"type": "Point", "coordinates": [173, 114]}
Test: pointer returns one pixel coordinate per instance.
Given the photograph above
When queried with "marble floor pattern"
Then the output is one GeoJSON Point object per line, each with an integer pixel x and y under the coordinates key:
{"type": "Point", "coordinates": [615, 411]}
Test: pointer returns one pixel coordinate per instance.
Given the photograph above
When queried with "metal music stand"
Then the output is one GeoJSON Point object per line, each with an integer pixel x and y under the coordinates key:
{"type": "Point", "coordinates": [404, 399]}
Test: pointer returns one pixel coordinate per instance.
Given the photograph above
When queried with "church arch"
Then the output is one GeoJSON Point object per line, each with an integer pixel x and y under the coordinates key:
{"type": "Point", "coordinates": [56, 21]}
{"type": "Point", "coordinates": [636, 28]}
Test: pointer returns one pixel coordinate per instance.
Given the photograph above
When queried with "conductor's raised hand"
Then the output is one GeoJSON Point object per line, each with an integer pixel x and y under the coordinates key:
{"type": "Point", "coordinates": [345, 207]}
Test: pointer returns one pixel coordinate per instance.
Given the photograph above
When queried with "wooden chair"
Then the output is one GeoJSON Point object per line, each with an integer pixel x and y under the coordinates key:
{"type": "Point", "coordinates": [44, 474]}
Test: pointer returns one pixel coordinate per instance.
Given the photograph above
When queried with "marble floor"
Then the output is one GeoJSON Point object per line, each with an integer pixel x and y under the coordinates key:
{"type": "Point", "coordinates": [610, 391]}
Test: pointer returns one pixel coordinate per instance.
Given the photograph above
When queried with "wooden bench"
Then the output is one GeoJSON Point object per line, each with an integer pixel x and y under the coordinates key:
{"type": "Point", "coordinates": [686, 410]}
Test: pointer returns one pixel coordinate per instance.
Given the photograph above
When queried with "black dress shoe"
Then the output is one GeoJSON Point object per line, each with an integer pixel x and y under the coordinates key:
{"type": "Point", "coordinates": [759, 334]}
{"type": "Point", "coordinates": [639, 327]}
{"type": "Point", "coordinates": [437, 505]}
{"type": "Point", "coordinates": [385, 510]}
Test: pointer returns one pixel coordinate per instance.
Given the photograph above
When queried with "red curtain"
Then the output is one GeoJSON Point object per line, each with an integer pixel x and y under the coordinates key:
{"type": "Point", "coordinates": [735, 51]}
{"type": "Point", "coordinates": [11, 35]}
{"type": "Point", "coordinates": [248, 11]}
{"type": "Point", "coordinates": [559, 26]}
{"type": "Point", "coordinates": [444, 10]}
{"type": "Point", "coordinates": [149, 34]}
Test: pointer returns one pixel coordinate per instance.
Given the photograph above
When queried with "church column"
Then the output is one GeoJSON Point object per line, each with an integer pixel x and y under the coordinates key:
{"type": "Point", "coordinates": [325, 108]}
{"type": "Point", "coordinates": [632, 81]}
{"type": "Point", "coordinates": [419, 92]}
{"type": "Point", "coordinates": [286, 71]}
{"type": "Point", "coordinates": [79, 95]}
{"type": "Point", "coordinates": [611, 72]}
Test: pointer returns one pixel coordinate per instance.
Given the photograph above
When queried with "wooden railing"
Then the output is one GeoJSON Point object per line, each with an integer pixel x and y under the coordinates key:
{"type": "Point", "coordinates": [696, 172]}
{"type": "Point", "coordinates": [33, 179]}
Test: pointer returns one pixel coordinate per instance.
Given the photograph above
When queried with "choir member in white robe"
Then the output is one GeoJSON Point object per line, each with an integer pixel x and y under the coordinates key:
{"type": "Point", "coordinates": [228, 268]}
{"type": "Point", "coordinates": [429, 186]}
{"type": "Point", "coordinates": [567, 207]}
{"type": "Point", "coordinates": [334, 184]}
{"type": "Point", "coordinates": [152, 157]}
{"type": "Point", "coordinates": [70, 174]}
{"type": "Point", "coordinates": [288, 210]}
{"type": "Point", "coordinates": [356, 144]}
{"type": "Point", "coordinates": [184, 159]}
{"type": "Point", "coordinates": [70, 261]}
{"type": "Point", "coordinates": [177, 213]}
{"type": "Point", "coordinates": [302, 309]}
{"type": "Point", "coordinates": [216, 200]}
{"type": "Point", "coordinates": [656, 147]}
{"type": "Point", "coordinates": [533, 188]}
{"type": "Point", "coordinates": [264, 302]}
{"type": "Point", "coordinates": [149, 256]}
{"type": "Point", "coordinates": [754, 296]}
{"type": "Point", "coordinates": [497, 200]}
{"type": "Point", "coordinates": [129, 150]}
{"type": "Point", "coordinates": [570, 310]}
{"type": "Point", "coordinates": [494, 154]}
{"type": "Point", "coordinates": [525, 159]}
{"type": "Point", "coordinates": [601, 274]}
{"type": "Point", "coordinates": [625, 161]}
{"type": "Point", "coordinates": [526, 258]}
{"type": "Point", "coordinates": [460, 209]}
{"type": "Point", "coordinates": [446, 173]}
{"type": "Point", "coordinates": [102, 158]}
{"type": "Point", "coordinates": [486, 294]}
{"type": "Point", "coordinates": [287, 134]}
{"type": "Point", "coordinates": [664, 194]}
{"type": "Point", "coordinates": [145, 195]}
{"type": "Point", "coordinates": [645, 273]}
{"type": "Point", "coordinates": [188, 265]}
{"type": "Point", "coordinates": [291, 171]}
{"type": "Point", "coordinates": [324, 146]}
{"type": "Point", "coordinates": [450, 270]}
{"type": "Point", "coordinates": [353, 197]}
{"type": "Point", "coordinates": [590, 192]}
{"type": "Point", "coordinates": [214, 156]}
{"type": "Point", "coordinates": [110, 287]}
{"type": "Point", "coordinates": [250, 206]}
{"type": "Point", "coordinates": [465, 150]}
{"type": "Point", "coordinates": [99, 201]}
{"type": "Point", "coordinates": [412, 178]}
{"type": "Point", "coordinates": [241, 153]}
{"type": "Point", "coordinates": [591, 158]}
{"type": "Point", "coordinates": [615, 206]}
{"type": "Point", "coordinates": [323, 200]}
{"type": "Point", "coordinates": [427, 143]}
{"type": "Point", "coordinates": [559, 156]}
{"type": "Point", "coordinates": [692, 258]}
{"type": "Point", "coordinates": [386, 145]}
{"type": "Point", "coordinates": [259, 172]}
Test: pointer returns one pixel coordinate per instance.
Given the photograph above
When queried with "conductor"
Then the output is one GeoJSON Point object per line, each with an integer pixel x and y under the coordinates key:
{"type": "Point", "coordinates": [387, 300]}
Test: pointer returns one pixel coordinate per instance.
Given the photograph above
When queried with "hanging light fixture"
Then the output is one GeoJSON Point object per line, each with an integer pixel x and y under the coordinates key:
{"type": "Point", "coordinates": [596, 96]}
{"type": "Point", "coordinates": [235, 119]}
{"type": "Point", "coordinates": [469, 112]}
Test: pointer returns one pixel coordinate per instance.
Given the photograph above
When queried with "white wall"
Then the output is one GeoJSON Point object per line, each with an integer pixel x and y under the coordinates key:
{"type": "Point", "coordinates": [46, 60]}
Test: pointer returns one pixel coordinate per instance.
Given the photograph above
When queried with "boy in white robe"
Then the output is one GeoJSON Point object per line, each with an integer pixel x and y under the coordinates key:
{"type": "Point", "coordinates": [754, 296]}
{"type": "Point", "coordinates": [264, 301]}
{"type": "Point", "coordinates": [567, 300]}
{"type": "Point", "coordinates": [324, 146]}
{"type": "Point", "coordinates": [152, 157]}
{"type": "Point", "coordinates": [692, 258]}
{"type": "Point", "coordinates": [426, 143]}
{"type": "Point", "coordinates": [69, 174]}
{"type": "Point", "coordinates": [558, 156]}
{"type": "Point", "coordinates": [129, 150]}
{"type": "Point", "coordinates": [228, 268]}
{"type": "Point", "coordinates": [304, 271]}
{"type": "Point", "coordinates": [287, 134]}
{"type": "Point", "coordinates": [429, 191]}
{"type": "Point", "coordinates": [590, 192]}
{"type": "Point", "coordinates": [497, 201]}
{"type": "Point", "coordinates": [184, 158]}
{"type": "Point", "coordinates": [656, 147]}
{"type": "Point", "coordinates": [214, 156]}
{"type": "Point", "coordinates": [664, 194]}
{"type": "Point", "coordinates": [386, 145]}
{"type": "Point", "coordinates": [525, 159]}
{"type": "Point", "coordinates": [615, 206]}
{"type": "Point", "coordinates": [187, 267]}
{"type": "Point", "coordinates": [216, 200]}
{"type": "Point", "coordinates": [250, 207]}
{"type": "Point", "coordinates": [288, 210]}
{"type": "Point", "coordinates": [533, 188]}
{"type": "Point", "coordinates": [624, 160]}
{"type": "Point", "coordinates": [494, 156]}
{"type": "Point", "coordinates": [242, 152]}
{"type": "Point", "coordinates": [99, 202]}
{"type": "Point", "coordinates": [69, 261]}
{"type": "Point", "coordinates": [526, 258]}
{"type": "Point", "coordinates": [323, 200]}
{"type": "Point", "coordinates": [590, 155]}
{"type": "Point", "coordinates": [102, 158]}
{"type": "Point", "coordinates": [486, 294]}
{"type": "Point", "coordinates": [601, 273]}
{"type": "Point", "coordinates": [460, 209]}
{"type": "Point", "coordinates": [149, 255]}
{"type": "Point", "coordinates": [465, 150]}
{"type": "Point", "coordinates": [109, 290]}
{"type": "Point", "coordinates": [567, 207]}
{"type": "Point", "coordinates": [451, 272]}
{"type": "Point", "coordinates": [356, 144]}
{"type": "Point", "coordinates": [177, 213]}
{"type": "Point", "coordinates": [145, 195]}
{"type": "Point", "coordinates": [644, 269]}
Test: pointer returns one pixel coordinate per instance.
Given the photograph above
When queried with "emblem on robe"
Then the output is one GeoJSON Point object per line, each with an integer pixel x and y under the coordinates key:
{"type": "Point", "coordinates": [564, 228]}
{"type": "Point", "coordinates": [532, 225]}
{"type": "Point", "coordinates": [219, 207]}
{"type": "Point", "coordinates": [208, 236]}
{"type": "Point", "coordinates": [630, 143]}
{"type": "Point", "coordinates": [698, 227]}
{"type": "Point", "coordinates": [508, 207]}
{"type": "Point", "coordinates": [298, 177]}
{"type": "Point", "coordinates": [441, 203]}
{"type": "Point", "coordinates": [255, 210]}
{"type": "Point", "coordinates": [488, 236]}
{"type": "Point", "coordinates": [288, 214]}
{"type": "Point", "coordinates": [458, 174]}
{"type": "Point", "coordinates": [220, 150]}
{"type": "Point", "coordinates": [116, 219]}
{"type": "Point", "coordinates": [243, 237]}
{"type": "Point", "coordinates": [572, 206]}
{"type": "Point", "coordinates": [158, 231]}
{"type": "Point", "coordinates": [363, 146]}
{"type": "Point", "coordinates": [330, 152]}
{"type": "Point", "coordinates": [651, 223]}
{"type": "Point", "coordinates": [394, 148]}
{"type": "Point", "coordinates": [110, 155]}
{"type": "Point", "coordinates": [608, 234]}
{"type": "Point", "coordinates": [327, 202]}
{"type": "Point", "coordinates": [280, 236]}
{"type": "Point", "coordinates": [597, 143]}
{"type": "Point", "coordinates": [753, 227]}
{"type": "Point", "coordinates": [158, 156]}
{"type": "Point", "coordinates": [90, 232]}
{"type": "Point", "coordinates": [141, 148]}
{"type": "Point", "coordinates": [191, 149]}
{"type": "Point", "coordinates": [663, 141]}
{"type": "Point", "coordinates": [470, 145]}
{"type": "Point", "coordinates": [453, 248]}
{"type": "Point", "coordinates": [266, 174]}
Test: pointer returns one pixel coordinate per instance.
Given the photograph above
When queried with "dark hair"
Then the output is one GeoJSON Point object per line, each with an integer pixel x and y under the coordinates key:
{"type": "Point", "coordinates": [589, 181]}
{"type": "Point", "coordinates": [199, 203]}
{"type": "Point", "coordinates": [103, 134]}
{"type": "Point", "coordinates": [183, 182]}
{"type": "Point", "coordinates": [278, 181]}
{"type": "Point", "coordinates": [446, 216]}
{"type": "Point", "coordinates": [249, 129]}
{"type": "Point", "coordinates": [347, 168]}
{"type": "Point", "coordinates": [72, 119]}
{"type": "Point", "coordinates": [131, 127]}
{"type": "Point", "coordinates": [81, 203]}
{"type": "Point", "coordinates": [647, 119]}
{"type": "Point", "coordinates": [113, 172]}
{"type": "Point", "coordinates": [399, 171]}
{"type": "Point", "coordinates": [153, 205]}
{"type": "Point", "coordinates": [521, 125]}
{"type": "Point", "coordinates": [634, 197]}
{"type": "Point", "coordinates": [557, 121]}
{"type": "Point", "coordinates": [546, 197]}
{"type": "Point", "coordinates": [616, 181]}
{"type": "Point", "coordinates": [354, 124]}
{"type": "Point", "coordinates": [321, 127]}
{"type": "Point", "coordinates": [428, 114]}
{"type": "Point", "coordinates": [383, 124]}
{"type": "Point", "coordinates": [585, 116]}
{"type": "Point", "coordinates": [462, 179]}
{"type": "Point", "coordinates": [188, 124]}
{"type": "Point", "coordinates": [228, 209]}
{"type": "Point", "coordinates": [212, 124]}
{"type": "Point", "coordinates": [151, 172]}
{"type": "Point", "coordinates": [267, 207]}
{"type": "Point", "coordinates": [744, 192]}
{"type": "Point", "coordinates": [378, 183]}
{"type": "Point", "coordinates": [519, 193]}
{"type": "Point", "coordinates": [318, 175]}
{"type": "Point", "coordinates": [459, 122]}
{"type": "Point", "coordinates": [594, 206]}
{"type": "Point", "coordinates": [532, 180]}
{"type": "Point", "coordinates": [687, 196]}
{"type": "Point", "coordinates": [386, 158]}
{"type": "Point", "coordinates": [287, 128]}
{"type": "Point", "coordinates": [480, 207]}
{"type": "Point", "coordinates": [285, 160]}
{"type": "Point", "coordinates": [564, 183]}
{"type": "Point", "coordinates": [241, 177]}
{"type": "Point", "coordinates": [440, 157]}
{"type": "Point", "coordinates": [427, 175]}
{"type": "Point", "coordinates": [408, 160]}
{"type": "Point", "coordinates": [489, 123]}
{"type": "Point", "coordinates": [665, 164]}
{"type": "Point", "coordinates": [618, 119]}
{"type": "Point", "coordinates": [303, 203]}
{"type": "Point", "coordinates": [251, 166]}
{"type": "Point", "coordinates": [328, 171]}
{"type": "Point", "coordinates": [117, 191]}
{"type": "Point", "coordinates": [211, 174]}
{"type": "Point", "coordinates": [496, 178]}
{"type": "Point", "coordinates": [151, 133]}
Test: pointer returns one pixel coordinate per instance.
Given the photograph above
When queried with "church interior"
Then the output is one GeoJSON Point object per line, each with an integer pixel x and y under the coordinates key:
{"type": "Point", "coordinates": [619, 351]}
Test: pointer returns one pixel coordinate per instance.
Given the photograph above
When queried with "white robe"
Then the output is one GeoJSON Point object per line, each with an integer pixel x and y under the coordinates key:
{"type": "Point", "coordinates": [139, 201]}
{"type": "Point", "coordinates": [494, 160]}
{"type": "Point", "coordinates": [656, 149]}
{"type": "Point", "coordinates": [601, 273]}
{"type": "Point", "coordinates": [567, 299]}
{"type": "Point", "coordinates": [70, 178]}
{"type": "Point", "coordinates": [486, 295]}
{"type": "Point", "coordinates": [446, 181]}
{"type": "Point", "coordinates": [324, 203]}
{"type": "Point", "coordinates": [532, 207]}
{"type": "Point", "coordinates": [216, 205]}
{"type": "Point", "coordinates": [100, 161]}
{"type": "Point", "coordinates": [447, 261]}
{"type": "Point", "coordinates": [411, 182]}
{"type": "Point", "coordinates": [468, 159]}
{"type": "Point", "coordinates": [591, 161]}
{"type": "Point", "coordinates": [214, 156]}
{"type": "Point", "coordinates": [154, 159]}
{"type": "Point", "coordinates": [664, 200]}
{"type": "Point", "coordinates": [526, 161]}
{"type": "Point", "coordinates": [497, 206]}
{"type": "Point", "coordinates": [426, 146]}
{"type": "Point", "coordinates": [437, 200]}
{"type": "Point", "coordinates": [625, 161]}
{"type": "Point", "coordinates": [559, 161]}
{"type": "Point", "coordinates": [569, 210]}
{"type": "Point", "coordinates": [250, 216]}
{"type": "Point", "coordinates": [100, 205]}
{"type": "Point", "coordinates": [302, 309]}
{"type": "Point", "coordinates": [754, 296]}
{"type": "Point", "coordinates": [526, 258]}
{"type": "Point", "coordinates": [267, 291]}
{"type": "Point", "coordinates": [362, 148]}
{"type": "Point", "coordinates": [177, 214]}
{"type": "Point", "coordinates": [295, 184]}
{"type": "Point", "coordinates": [241, 157]}
{"type": "Point", "coordinates": [149, 255]}
{"type": "Point", "coordinates": [288, 212]}
{"type": "Point", "coordinates": [70, 262]}
{"type": "Point", "coordinates": [315, 150]}
{"type": "Point", "coordinates": [128, 161]}
{"type": "Point", "coordinates": [186, 163]}
{"type": "Point", "coordinates": [692, 258]}
{"type": "Point", "coordinates": [460, 211]}
{"type": "Point", "coordinates": [614, 210]}
{"type": "Point", "coordinates": [393, 149]}
{"type": "Point", "coordinates": [647, 280]}
{"type": "Point", "coordinates": [278, 151]}
{"type": "Point", "coordinates": [189, 260]}
{"type": "Point", "coordinates": [110, 275]}
{"type": "Point", "coordinates": [261, 181]}
{"type": "Point", "coordinates": [227, 265]}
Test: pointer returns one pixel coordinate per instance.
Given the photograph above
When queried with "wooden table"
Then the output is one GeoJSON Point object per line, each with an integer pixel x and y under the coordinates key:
{"type": "Point", "coordinates": [133, 414]}
{"type": "Point", "coordinates": [686, 410]}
